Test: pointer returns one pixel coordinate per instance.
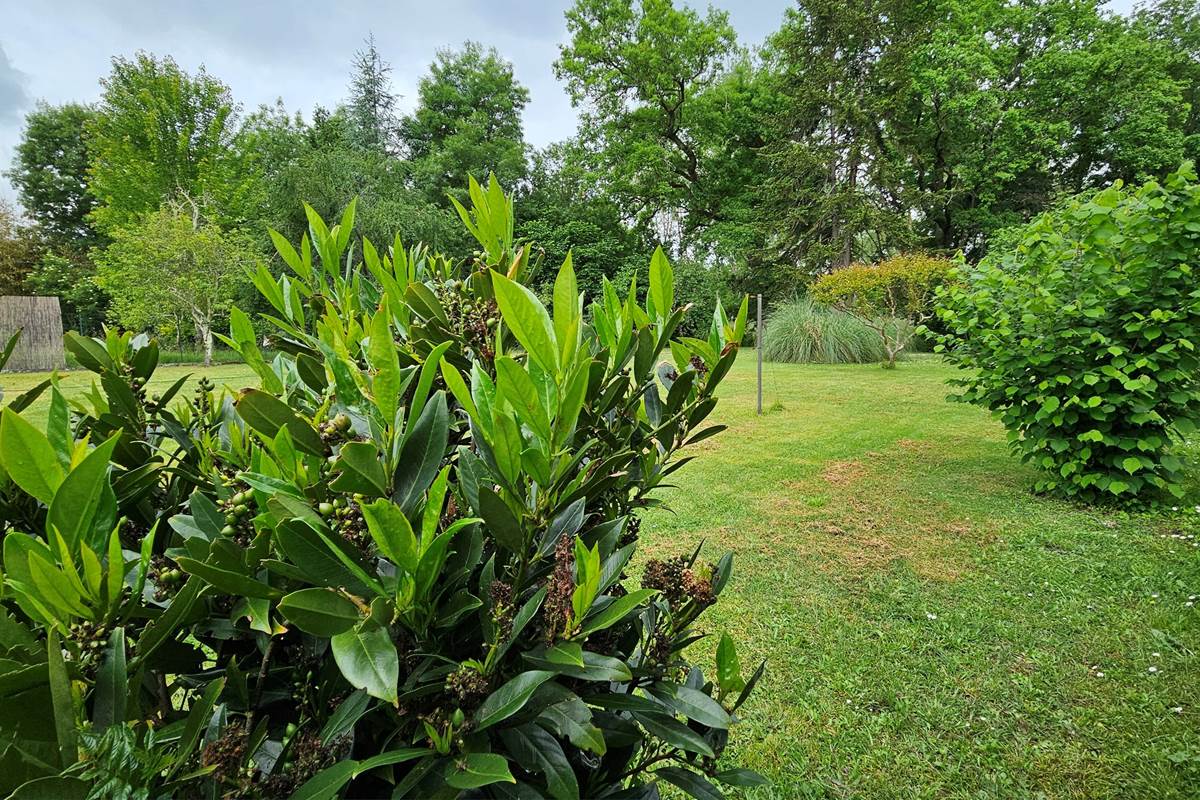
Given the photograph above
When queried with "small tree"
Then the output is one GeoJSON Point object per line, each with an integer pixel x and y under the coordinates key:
{"type": "Point", "coordinates": [892, 297]}
{"type": "Point", "coordinates": [174, 264]}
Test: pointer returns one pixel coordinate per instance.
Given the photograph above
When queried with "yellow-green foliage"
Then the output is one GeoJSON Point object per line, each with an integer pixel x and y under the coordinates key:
{"type": "Point", "coordinates": [901, 286]}
{"type": "Point", "coordinates": [890, 297]}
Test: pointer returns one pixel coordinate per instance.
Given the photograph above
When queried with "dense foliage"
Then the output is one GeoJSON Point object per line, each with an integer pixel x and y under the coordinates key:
{"type": "Point", "coordinates": [397, 568]}
{"type": "Point", "coordinates": [855, 132]}
{"type": "Point", "coordinates": [1082, 337]}
{"type": "Point", "coordinates": [891, 298]}
{"type": "Point", "coordinates": [802, 331]}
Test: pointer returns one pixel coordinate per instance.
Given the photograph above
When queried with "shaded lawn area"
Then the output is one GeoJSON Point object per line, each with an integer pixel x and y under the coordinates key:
{"type": "Point", "coordinates": [931, 628]}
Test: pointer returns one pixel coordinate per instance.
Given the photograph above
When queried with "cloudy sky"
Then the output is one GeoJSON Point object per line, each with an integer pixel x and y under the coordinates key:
{"type": "Point", "coordinates": [297, 50]}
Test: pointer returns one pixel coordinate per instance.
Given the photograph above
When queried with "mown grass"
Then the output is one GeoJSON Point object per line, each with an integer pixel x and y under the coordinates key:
{"type": "Point", "coordinates": [931, 628]}
{"type": "Point", "coordinates": [78, 381]}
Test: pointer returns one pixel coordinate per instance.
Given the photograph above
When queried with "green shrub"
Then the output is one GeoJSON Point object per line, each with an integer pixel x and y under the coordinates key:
{"type": "Point", "coordinates": [891, 298]}
{"type": "Point", "coordinates": [395, 569]}
{"type": "Point", "coordinates": [802, 331]}
{"type": "Point", "coordinates": [1082, 338]}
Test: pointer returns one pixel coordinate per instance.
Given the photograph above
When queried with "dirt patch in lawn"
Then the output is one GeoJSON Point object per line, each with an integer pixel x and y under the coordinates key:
{"type": "Point", "coordinates": [841, 473]}
{"type": "Point", "coordinates": [866, 523]}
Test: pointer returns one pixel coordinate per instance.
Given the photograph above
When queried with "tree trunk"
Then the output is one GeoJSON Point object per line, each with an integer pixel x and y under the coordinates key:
{"type": "Point", "coordinates": [204, 331]}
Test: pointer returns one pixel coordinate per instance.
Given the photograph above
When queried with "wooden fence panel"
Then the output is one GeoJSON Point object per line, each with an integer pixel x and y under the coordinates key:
{"type": "Point", "coordinates": [41, 344]}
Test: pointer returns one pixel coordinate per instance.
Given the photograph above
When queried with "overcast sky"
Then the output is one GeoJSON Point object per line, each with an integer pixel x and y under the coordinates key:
{"type": "Point", "coordinates": [297, 50]}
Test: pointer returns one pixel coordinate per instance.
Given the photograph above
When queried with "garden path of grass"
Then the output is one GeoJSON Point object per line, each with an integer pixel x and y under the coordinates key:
{"type": "Point", "coordinates": [931, 628]}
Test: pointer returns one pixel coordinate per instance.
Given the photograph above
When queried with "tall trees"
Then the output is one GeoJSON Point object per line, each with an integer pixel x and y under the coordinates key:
{"type": "Point", "coordinates": [158, 132]}
{"type": "Point", "coordinates": [467, 122]}
{"type": "Point", "coordinates": [49, 172]}
{"type": "Point", "coordinates": [637, 70]}
{"type": "Point", "coordinates": [371, 106]}
{"type": "Point", "coordinates": [831, 198]}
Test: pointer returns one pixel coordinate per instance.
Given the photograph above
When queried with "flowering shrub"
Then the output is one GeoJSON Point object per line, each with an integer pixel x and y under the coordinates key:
{"type": "Point", "coordinates": [397, 568]}
{"type": "Point", "coordinates": [1082, 338]}
{"type": "Point", "coordinates": [892, 297]}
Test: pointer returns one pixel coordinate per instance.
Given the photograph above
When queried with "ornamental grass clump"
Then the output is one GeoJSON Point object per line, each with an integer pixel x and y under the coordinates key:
{"type": "Point", "coordinates": [1082, 338]}
{"type": "Point", "coordinates": [395, 568]}
{"type": "Point", "coordinates": [802, 331]}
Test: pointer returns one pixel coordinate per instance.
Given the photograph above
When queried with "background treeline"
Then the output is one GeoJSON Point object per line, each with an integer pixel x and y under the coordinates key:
{"type": "Point", "coordinates": [858, 130]}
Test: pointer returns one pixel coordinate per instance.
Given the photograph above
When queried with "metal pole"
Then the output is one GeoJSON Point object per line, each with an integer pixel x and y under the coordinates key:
{"type": "Point", "coordinates": [758, 351]}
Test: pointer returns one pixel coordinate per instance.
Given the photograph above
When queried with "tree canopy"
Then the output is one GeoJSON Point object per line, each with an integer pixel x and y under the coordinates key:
{"type": "Point", "coordinates": [855, 132]}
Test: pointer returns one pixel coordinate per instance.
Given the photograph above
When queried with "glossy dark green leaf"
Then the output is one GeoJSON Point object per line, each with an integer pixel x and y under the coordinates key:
{"type": "Point", "coordinates": [266, 414]}
{"type": "Point", "coordinates": [368, 660]}
{"type": "Point", "coordinates": [473, 770]}
{"type": "Point", "coordinates": [359, 470]}
{"type": "Point", "coordinates": [112, 684]}
{"type": "Point", "coordinates": [693, 783]}
{"type": "Point", "coordinates": [320, 612]}
{"type": "Point", "coordinates": [509, 698]}
{"type": "Point", "coordinates": [84, 509]}
{"type": "Point", "coordinates": [421, 455]}
{"type": "Point", "coordinates": [501, 523]}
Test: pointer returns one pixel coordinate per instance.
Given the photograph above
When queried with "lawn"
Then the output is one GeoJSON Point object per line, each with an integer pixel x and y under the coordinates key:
{"type": "Point", "coordinates": [235, 376]}
{"type": "Point", "coordinates": [931, 628]}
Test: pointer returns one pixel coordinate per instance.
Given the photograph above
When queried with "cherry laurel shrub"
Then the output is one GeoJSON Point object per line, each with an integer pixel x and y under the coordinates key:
{"type": "Point", "coordinates": [1082, 338]}
{"type": "Point", "coordinates": [397, 568]}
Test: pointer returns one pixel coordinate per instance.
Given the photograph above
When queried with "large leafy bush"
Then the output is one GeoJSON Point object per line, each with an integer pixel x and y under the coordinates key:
{"type": "Point", "coordinates": [1082, 338]}
{"type": "Point", "coordinates": [398, 568]}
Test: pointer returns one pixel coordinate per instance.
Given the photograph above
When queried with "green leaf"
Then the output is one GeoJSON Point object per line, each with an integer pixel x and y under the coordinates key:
{"type": "Point", "coordinates": [421, 456]}
{"type": "Point", "coordinates": [566, 307]}
{"type": "Point", "coordinates": [326, 783]}
{"type": "Point", "coordinates": [661, 297]}
{"type": "Point", "coordinates": [526, 317]}
{"type": "Point", "coordinates": [52, 787]}
{"type": "Point", "coordinates": [392, 533]}
{"type": "Point", "coordinates": [84, 509]}
{"type": "Point", "coordinates": [320, 612]}
{"type": "Point", "coordinates": [509, 698]}
{"type": "Point", "coordinates": [479, 769]}
{"type": "Point", "coordinates": [381, 352]}
{"type": "Point", "coordinates": [359, 470]}
{"type": "Point", "coordinates": [693, 704]}
{"type": "Point", "coordinates": [304, 548]}
{"type": "Point", "coordinates": [112, 683]}
{"type": "Point", "coordinates": [228, 581]}
{"type": "Point", "coordinates": [62, 703]}
{"type": "Point", "coordinates": [537, 750]}
{"type": "Point", "coordinates": [1131, 464]}
{"type": "Point", "coordinates": [514, 385]}
{"type": "Point", "coordinates": [613, 612]}
{"type": "Point", "coordinates": [348, 713]}
{"type": "Point", "coordinates": [198, 718]}
{"type": "Point", "coordinates": [28, 457]}
{"type": "Point", "coordinates": [729, 669]}
{"type": "Point", "coordinates": [674, 733]}
{"type": "Point", "coordinates": [267, 414]}
{"type": "Point", "coordinates": [368, 660]}
{"type": "Point", "coordinates": [501, 523]}
{"type": "Point", "coordinates": [741, 777]}
{"type": "Point", "coordinates": [694, 784]}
